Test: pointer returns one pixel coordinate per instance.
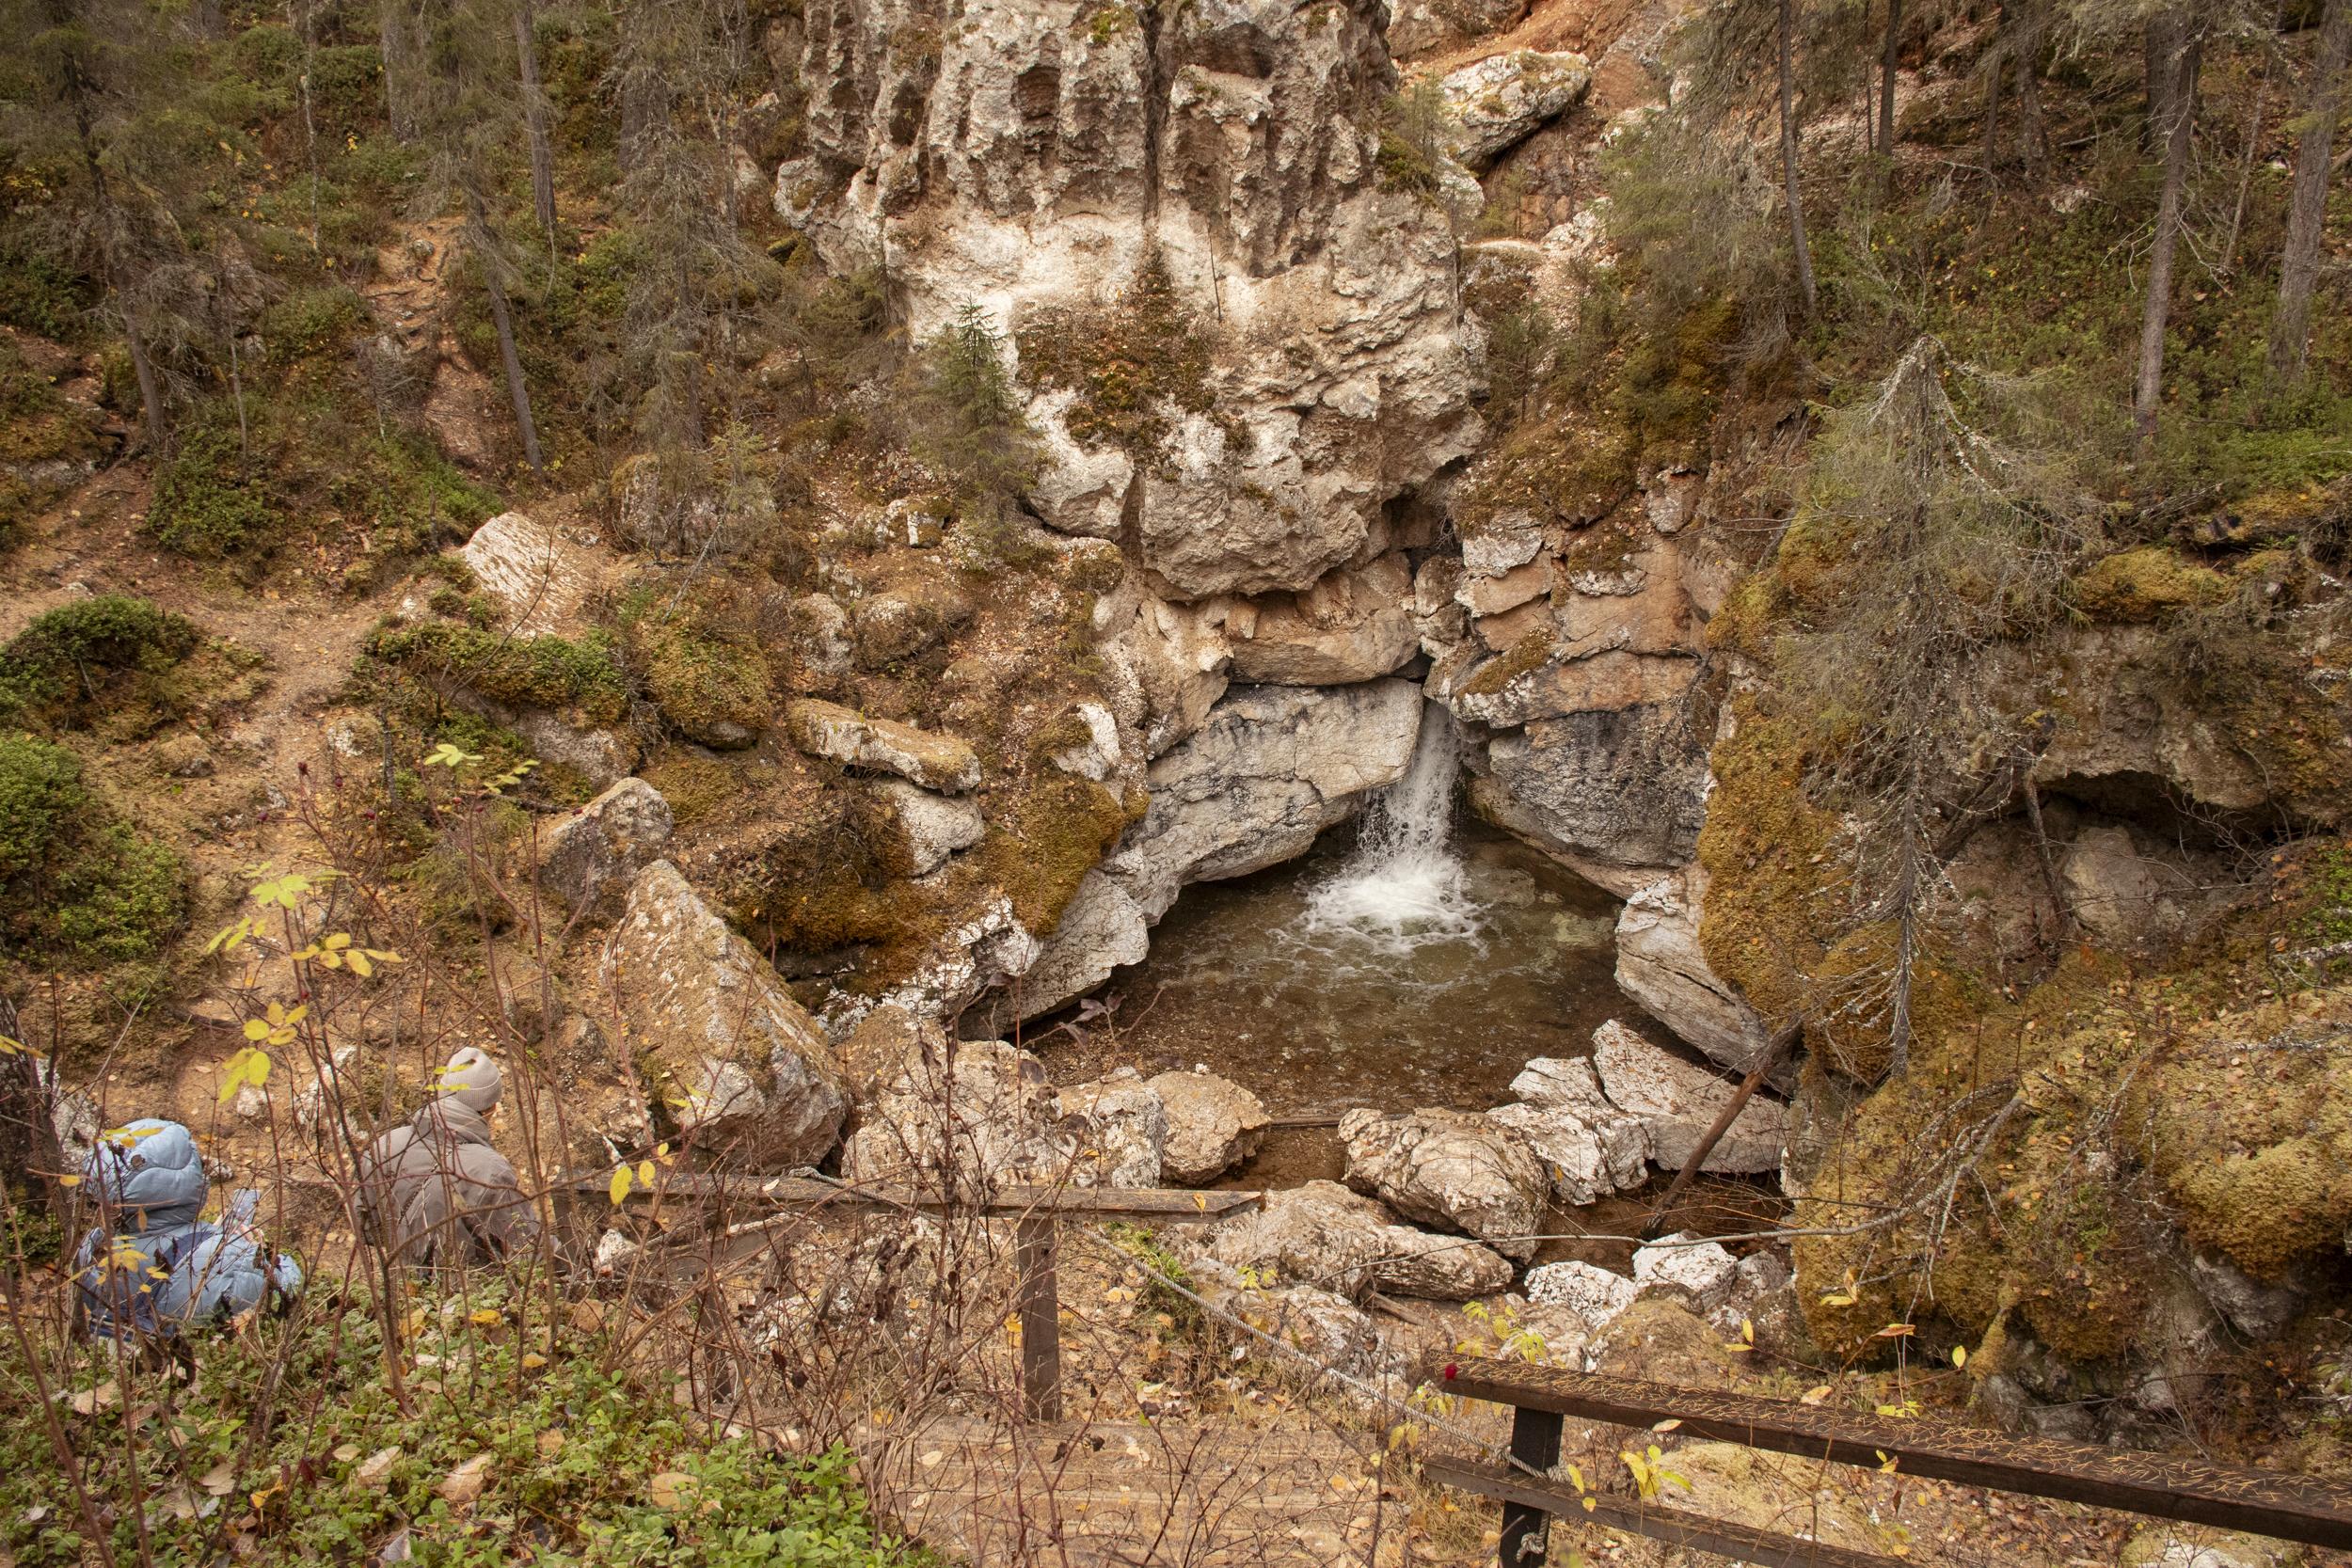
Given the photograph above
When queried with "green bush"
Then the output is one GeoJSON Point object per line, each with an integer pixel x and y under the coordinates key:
{"type": "Point", "coordinates": [210, 503]}
{"type": "Point", "coordinates": [122, 898]}
{"type": "Point", "coordinates": [40, 798]}
{"type": "Point", "coordinates": [589, 1465]}
{"type": "Point", "coordinates": [312, 322]}
{"type": "Point", "coordinates": [39, 291]}
{"type": "Point", "coordinates": [75, 884]}
{"type": "Point", "coordinates": [87, 652]}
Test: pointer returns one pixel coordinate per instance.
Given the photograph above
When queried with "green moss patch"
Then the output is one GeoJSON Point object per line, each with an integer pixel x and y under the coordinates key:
{"type": "Point", "coordinates": [94, 655]}
{"type": "Point", "coordinates": [522, 671]}
{"type": "Point", "coordinates": [2146, 584]}
{"type": "Point", "coordinates": [1133, 365]}
{"type": "Point", "coordinates": [77, 885]}
{"type": "Point", "coordinates": [700, 665]}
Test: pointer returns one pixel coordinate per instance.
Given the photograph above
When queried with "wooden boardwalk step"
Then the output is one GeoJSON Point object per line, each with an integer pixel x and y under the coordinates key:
{"type": "Point", "coordinates": [2164, 1487]}
{"type": "Point", "coordinates": [1689, 1531]}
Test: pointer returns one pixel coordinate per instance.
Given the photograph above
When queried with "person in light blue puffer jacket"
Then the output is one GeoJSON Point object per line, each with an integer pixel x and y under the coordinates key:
{"type": "Point", "coordinates": [154, 1266]}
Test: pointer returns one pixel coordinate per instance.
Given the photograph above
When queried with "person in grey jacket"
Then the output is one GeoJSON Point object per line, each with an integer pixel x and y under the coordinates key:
{"type": "Point", "coordinates": [435, 1192]}
{"type": "Point", "coordinates": [154, 1266]}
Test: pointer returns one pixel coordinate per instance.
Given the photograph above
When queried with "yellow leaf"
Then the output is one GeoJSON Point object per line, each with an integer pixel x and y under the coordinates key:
{"type": "Point", "coordinates": [1960, 1356]}
{"type": "Point", "coordinates": [484, 1316]}
{"type": "Point", "coordinates": [644, 1175]}
{"type": "Point", "coordinates": [256, 1030]}
{"type": "Point", "coordinates": [359, 962]}
{"type": "Point", "coordinates": [619, 1189]}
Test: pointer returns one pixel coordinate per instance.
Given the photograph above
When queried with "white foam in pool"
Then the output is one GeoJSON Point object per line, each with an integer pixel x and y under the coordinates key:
{"type": "Point", "coordinates": [1404, 887]}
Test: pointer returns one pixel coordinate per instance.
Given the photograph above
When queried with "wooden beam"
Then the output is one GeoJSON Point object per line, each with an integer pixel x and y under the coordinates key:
{"type": "Point", "coordinates": [1041, 1318]}
{"type": "Point", "coordinates": [1535, 1443]}
{"type": "Point", "coordinates": [1166, 1205]}
{"type": "Point", "coordinates": [2164, 1487]}
{"type": "Point", "coordinates": [1689, 1531]}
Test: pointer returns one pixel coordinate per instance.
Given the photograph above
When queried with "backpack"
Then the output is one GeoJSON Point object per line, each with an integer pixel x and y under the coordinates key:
{"type": "Point", "coordinates": [118, 1291]}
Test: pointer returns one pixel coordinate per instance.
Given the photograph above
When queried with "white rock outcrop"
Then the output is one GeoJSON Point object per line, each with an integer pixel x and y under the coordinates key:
{"type": "Point", "coordinates": [1323, 1235]}
{"type": "Point", "coordinates": [982, 1111]}
{"type": "Point", "coordinates": [1119, 1127]}
{"type": "Point", "coordinates": [1100, 929]}
{"type": "Point", "coordinates": [828, 729]}
{"type": "Point", "coordinates": [1041, 158]}
{"type": "Point", "coordinates": [1354, 624]}
{"type": "Point", "coordinates": [715, 1033]}
{"type": "Point", "coordinates": [1449, 1168]}
{"type": "Point", "coordinates": [1271, 767]}
{"type": "Point", "coordinates": [539, 578]}
{"type": "Point", "coordinates": [1661, 965]}
{"type": "Point", "coordinates": [1596, 1296]}
{"type": "Point", "coordinates": [1213, 1124]}
{"type": "Point", "coordinates": [1498, 102]}
{"type": "Point", "coordinates": [1677, 1102]}
{"type": "Point", "coordinates": [1705, 1273]}
{"type": "Point", "coordinates": [932, 826]}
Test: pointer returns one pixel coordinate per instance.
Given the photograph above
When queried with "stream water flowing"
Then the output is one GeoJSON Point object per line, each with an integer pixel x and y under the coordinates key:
{"type": "Point", "coordinates": [1416, 959]}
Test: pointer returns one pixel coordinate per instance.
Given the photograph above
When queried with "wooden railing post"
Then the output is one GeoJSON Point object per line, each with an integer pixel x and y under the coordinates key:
{"type": "Point", "coordinates": [1041, 1319]}
{"type": "Point", "coordinates": [1535, 1443]}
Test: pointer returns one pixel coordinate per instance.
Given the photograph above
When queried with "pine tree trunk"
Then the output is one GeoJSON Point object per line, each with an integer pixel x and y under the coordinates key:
{"type": "Point", "coordinates": [502, 318]}
{"type": "Point", "coordinates": [1788, 153]}
{"type": "Point", "coordinates": [2173, 58]}
{"type": "Point", "coordinates": [1886, 79]}
{"type": "Point", "coordinates": [535, 121]}
{"type": "Point", "coordinates": [2033, 135]}
{"type": "Point", "coordinates": [2307, 209]}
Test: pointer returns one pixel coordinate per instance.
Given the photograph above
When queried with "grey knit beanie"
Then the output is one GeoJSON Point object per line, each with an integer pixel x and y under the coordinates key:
{"type": "Point", "coordinates": [473, 1080]}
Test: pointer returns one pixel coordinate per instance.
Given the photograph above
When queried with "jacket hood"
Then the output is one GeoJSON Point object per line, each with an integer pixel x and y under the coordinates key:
{"type": "Point", "coordinates": [148, 1173]}
{"type": "Point", "coordinates": [448, 1116]}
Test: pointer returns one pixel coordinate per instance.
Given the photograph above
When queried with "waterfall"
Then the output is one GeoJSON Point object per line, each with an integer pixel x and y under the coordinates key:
{"type": "Point", "coordinates": [1404, 885]}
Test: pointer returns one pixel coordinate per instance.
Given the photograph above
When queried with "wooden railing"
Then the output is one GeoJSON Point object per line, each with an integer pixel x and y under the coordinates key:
{"type": "Point", "coordinates": [2165, 1486]}
{"type": "Point", "coordinates": [1037, 1212]}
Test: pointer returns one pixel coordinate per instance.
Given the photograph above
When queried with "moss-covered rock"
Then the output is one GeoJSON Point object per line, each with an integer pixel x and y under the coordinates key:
{"type": "Point", "coordinates": [78, 886]}
{"type": "Point", "coordinates": [2146, 584]}
{"type": "Point", "coordinates": [702, 668]}
{"type": "Point", "coordinates": [91, 655]}
{"type": "Point", "coordinates": [520, 672]}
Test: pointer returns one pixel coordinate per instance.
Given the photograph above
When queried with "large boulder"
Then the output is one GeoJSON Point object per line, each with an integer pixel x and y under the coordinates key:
{"type": "Point", "coordinates": [1120, 1128]}
{"type": "Point", "coordinates": [1586, 1163]}
{"type": "Point", "coordinates": [1352, 625]}
{"type": "Point", "coordinates": [1705, 1273]}
{"type": "Point", "coordinates": [1323, 1235]}
{"type": "Point", "coordinates": [965, 1115]}
{"type": "Point", "coordinates": [713, 1031]}
{"type": "Point", "coordinates": [1662, 966]}
{"type": "Point", "coordinates": [1450, 1168]}
{"type": "Point", "coordinates": [1677, 1102]}
{"type": "Point", "coordinates": [838, 734]}
{"type": "Point", "coordinates": [1198, 196]}
{"type": "Point", "coordinates": [1498, 102]}
{"type": "Point", "coordinates": [1272, 768]}
{"type": "Point", "coordinates": [1213, 1124]}
{"type": "Point", "coordinates": [1617, 794]}
{"type": "Point", "coordinates": [540, 578]}
{"type": "Point", "coordinates": [590, 857]}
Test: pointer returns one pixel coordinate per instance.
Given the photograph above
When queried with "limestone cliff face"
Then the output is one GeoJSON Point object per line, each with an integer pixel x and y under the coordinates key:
{"type": "Point", "coordinates": [1041, 160]}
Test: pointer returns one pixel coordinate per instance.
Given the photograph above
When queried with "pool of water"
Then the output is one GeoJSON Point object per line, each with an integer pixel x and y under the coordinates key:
{"type": "Point", "coordinates": [1355, 975]}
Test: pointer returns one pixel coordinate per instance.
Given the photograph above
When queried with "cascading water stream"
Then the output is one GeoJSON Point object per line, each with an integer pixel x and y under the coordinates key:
{"type": "Point", "coordinates": [1404, 886]}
